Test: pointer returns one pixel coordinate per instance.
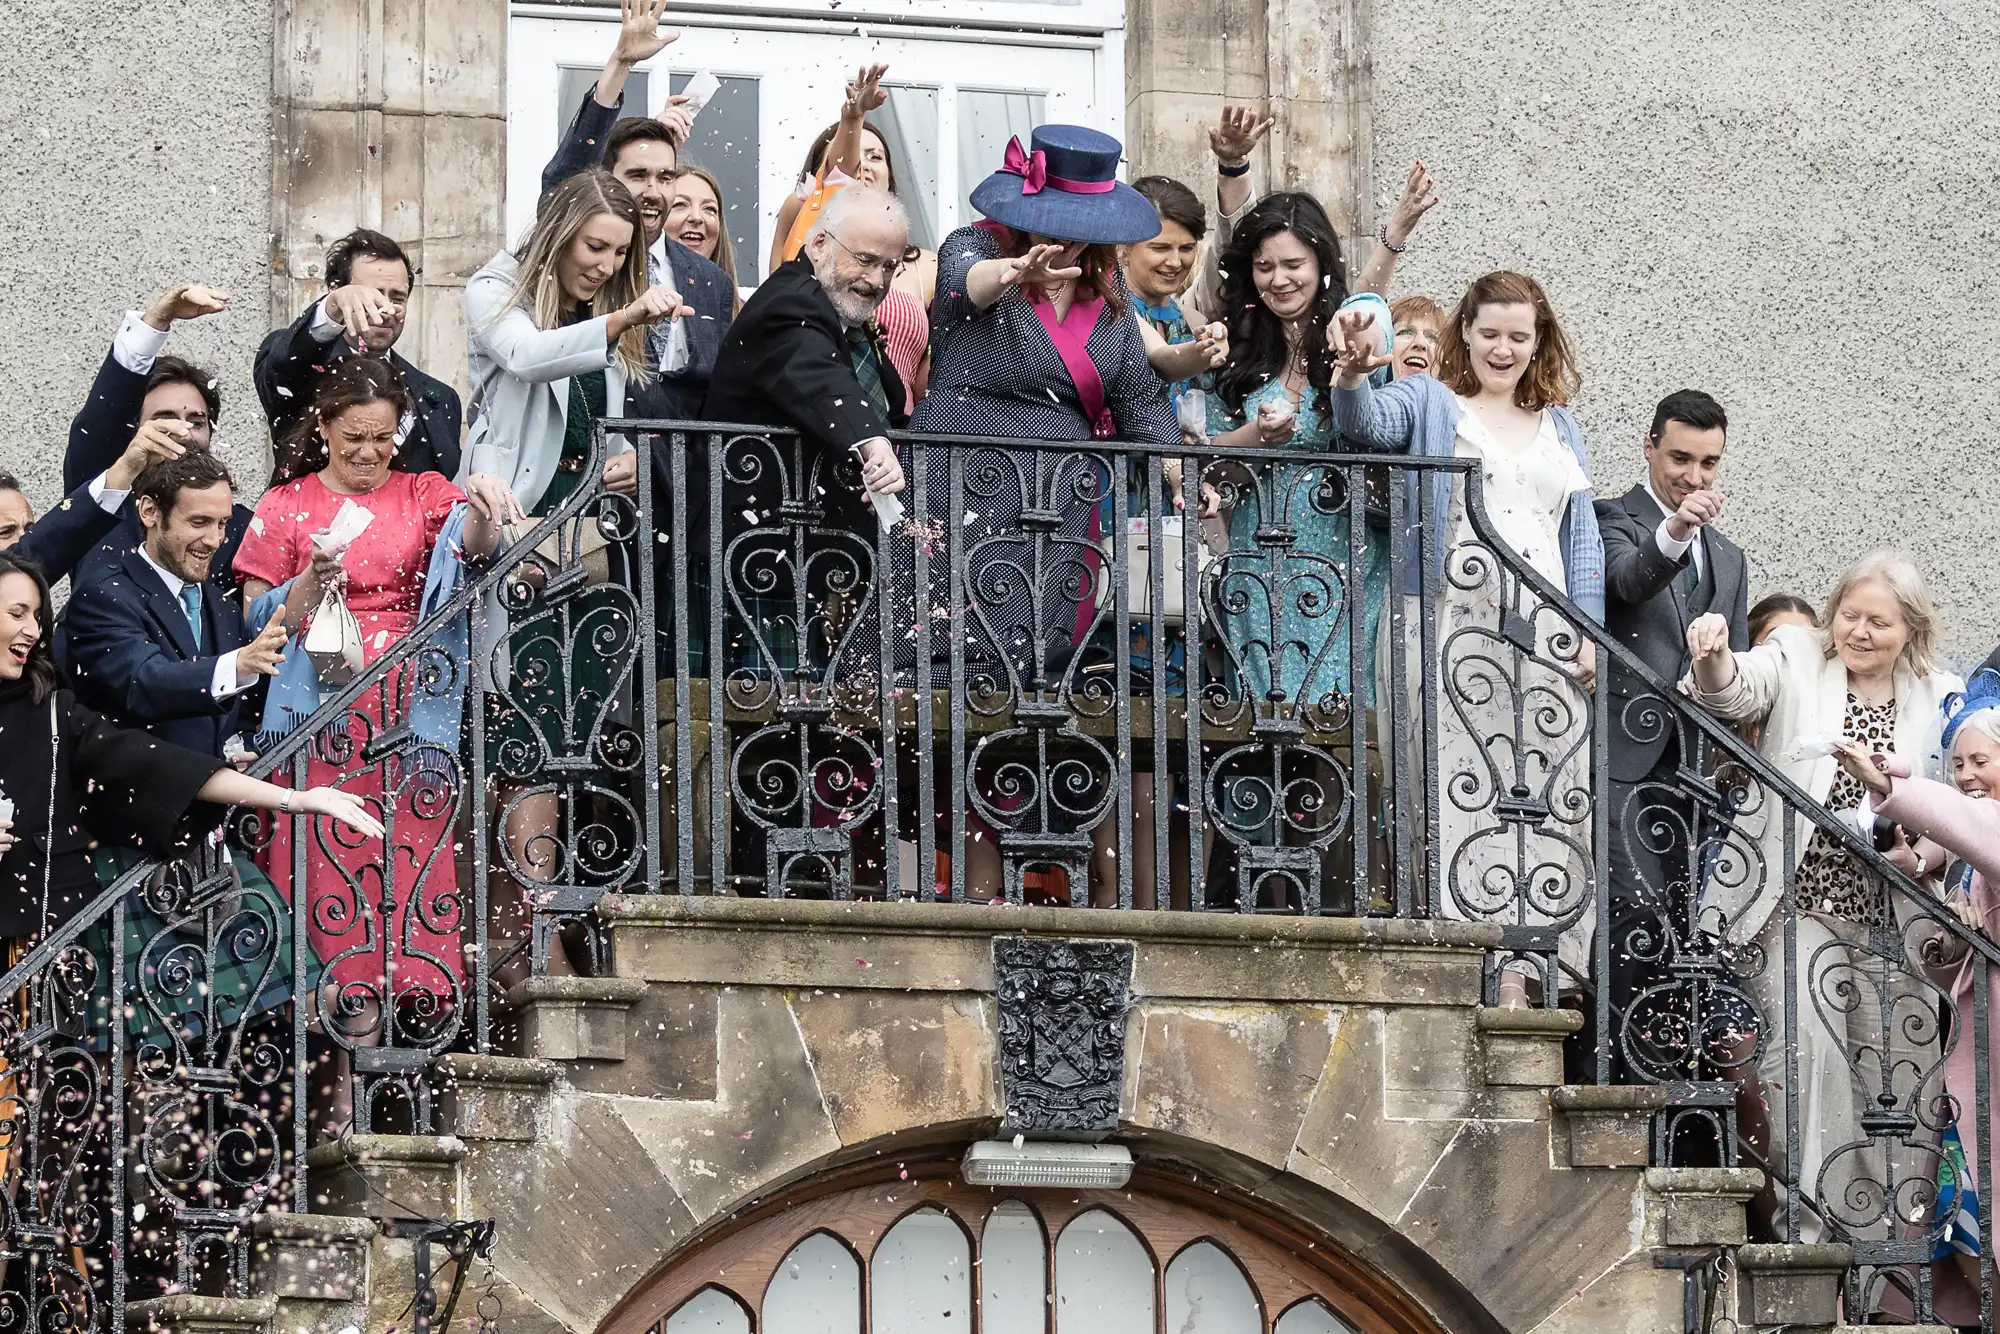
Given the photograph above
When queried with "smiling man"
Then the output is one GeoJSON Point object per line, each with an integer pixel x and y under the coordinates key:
{"type": "Point", "coordinates": [644, 154]}
{"type": "Point", "coordinates": [151, 642]}
{"type": "Point", "coordinates": [1664, 564]}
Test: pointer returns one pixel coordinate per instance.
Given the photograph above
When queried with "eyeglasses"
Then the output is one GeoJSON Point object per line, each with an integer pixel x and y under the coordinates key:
{"type": "Point", "coordinates": [869, 263]}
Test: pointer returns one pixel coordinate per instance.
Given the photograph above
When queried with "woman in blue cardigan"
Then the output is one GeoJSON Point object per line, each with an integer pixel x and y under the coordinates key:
{"type": "Point", "coordinates": [1509, 720]}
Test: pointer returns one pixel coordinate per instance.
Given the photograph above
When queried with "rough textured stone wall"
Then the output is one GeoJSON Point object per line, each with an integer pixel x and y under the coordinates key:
{"type": "Point", "coordinates": [1785, 205]}
{"type": "Point", "coordinates": [135, 148]}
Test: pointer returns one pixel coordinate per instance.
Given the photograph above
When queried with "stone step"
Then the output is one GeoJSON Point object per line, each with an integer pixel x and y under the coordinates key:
{"type": "Point", "coordinates": [387, 1176]}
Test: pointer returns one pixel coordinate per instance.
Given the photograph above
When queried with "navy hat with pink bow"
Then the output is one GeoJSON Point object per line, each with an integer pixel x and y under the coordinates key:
{"type": "Point", "coordinates": [1067, 189]}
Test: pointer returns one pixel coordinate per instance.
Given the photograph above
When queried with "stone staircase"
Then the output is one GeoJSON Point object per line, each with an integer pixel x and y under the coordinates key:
{"type": "Point", "coordinates": [1341, 1070]}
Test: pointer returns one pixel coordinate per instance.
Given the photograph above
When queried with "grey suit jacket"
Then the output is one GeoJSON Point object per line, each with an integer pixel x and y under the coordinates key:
{"type": "Point", "coordinates": [1648, 610]}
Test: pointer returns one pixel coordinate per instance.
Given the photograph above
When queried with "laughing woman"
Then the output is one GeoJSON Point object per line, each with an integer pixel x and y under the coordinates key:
{"type": "Point", "coordinates": [1504, 376]}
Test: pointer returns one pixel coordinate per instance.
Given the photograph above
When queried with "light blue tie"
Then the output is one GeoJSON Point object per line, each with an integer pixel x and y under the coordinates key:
{"type": "Point", "coordinates": [191, 603]}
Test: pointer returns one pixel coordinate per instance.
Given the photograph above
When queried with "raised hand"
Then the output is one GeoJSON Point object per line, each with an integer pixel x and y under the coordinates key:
{"type": "Point", "coordinates": [1235, 137]}
{"type": "Point", "coordinates": [157, 440]}
{"type": "Point", "coordinates": [677, 118]}
{"type": "Point", "coordinates": [261, 656]}
{"type": "Point", "coordinates": [1707, 634]}
{"type": "Point", "coordinates": [1352, 340]}
{"type": "Point", "coordinates": [1869, 769]}
{"type": "Point", "coordinates": [865, 93]}
{"type": "Point", "coordinates": [1416, 200]}
{"type": "Point", "coordinates": [360, 310]}
{"type": "Point", "coordinates": [1697, 510]}
{"type": "Point", "coordinates": [186, 302]}
{"type": "Point", "coordinates": [639, 35]}
{"type": "Point", "coordinates": [1214, 338]}
{"type": "Point", "coordinates": [1042, 266]}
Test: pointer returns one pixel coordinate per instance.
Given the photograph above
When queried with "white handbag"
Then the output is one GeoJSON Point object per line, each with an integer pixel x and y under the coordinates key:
{"type": "Point", "coordinates": [333, 641]}
{"type": "Point", "coordinates": [1139, 537]}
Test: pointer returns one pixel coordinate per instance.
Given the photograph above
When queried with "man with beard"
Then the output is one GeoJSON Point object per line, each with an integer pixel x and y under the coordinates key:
{"type": "Point", "coordinates": [368, 280]}
{"type": "Point", "coordinates": [805, 354]}
{"type": "Point", "coordinates": [151, 642]}
{"type": "Point", "coordinates": [643, 153]}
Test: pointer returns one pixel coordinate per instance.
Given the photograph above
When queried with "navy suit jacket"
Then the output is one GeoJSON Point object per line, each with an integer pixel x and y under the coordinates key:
{"type": "Point", "coordinates": [130, 654]}
{"type": "Point", "coordinates": [291, 362]}
{"type": "Point", "coordinates": [61, 538]}
{"type": "Point", "coordinates": [700, 282]}
{"type": "Point", "coordinates": [98, 434]}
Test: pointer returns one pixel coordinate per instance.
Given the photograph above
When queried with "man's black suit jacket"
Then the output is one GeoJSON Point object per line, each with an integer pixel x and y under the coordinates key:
{"type": "Point", "coordinates": [1648, 610]}
{"type": "Point", "coordinates": [291, 363]}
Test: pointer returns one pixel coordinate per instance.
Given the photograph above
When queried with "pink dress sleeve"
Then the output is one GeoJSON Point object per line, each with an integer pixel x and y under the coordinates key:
{"type": "Point", "coordinates": [436, 495]}
{"type": "Point", "coordinates": [1966, 826]}
{"type": "Point", "coordinates": [271, 549]}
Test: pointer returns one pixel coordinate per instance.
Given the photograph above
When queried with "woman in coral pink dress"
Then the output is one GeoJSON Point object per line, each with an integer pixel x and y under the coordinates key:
{"type": "Point", "coordinates": [388, 908]}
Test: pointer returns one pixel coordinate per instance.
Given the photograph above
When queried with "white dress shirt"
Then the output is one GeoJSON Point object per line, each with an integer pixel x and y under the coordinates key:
{"type": "Point", "coordinates": [222, 683]}
{"type": "Point", "coordinates": [138, 343]}
{"type": "Point", "coordinates": [1670, 546]}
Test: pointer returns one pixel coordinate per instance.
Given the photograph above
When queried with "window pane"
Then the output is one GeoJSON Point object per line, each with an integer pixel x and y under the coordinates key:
{"type": "Point", "coordinates": [1013, 1271]}
{"type": "Point", "coordinates": [922, 1278]}
{"type": "Point", "coordinates": [986, 121]}
{"type": "Point", "coordinates": [710, 1311]}
{"type": "Point", "coordinates": [573, 85]}
{"type": "Point", "coordinates": [725, 143]}
{"type": "Point", "coordinates": [1312, 1317]}
{"type": "Point", "coordinates": [909, 125]}
{"type": "Point", "coordinates": [817, 1290]}
{"type": "Point", "coordinates": [1207, 1294]}
{"type": "Point", "coordinates": [1104, 1278]}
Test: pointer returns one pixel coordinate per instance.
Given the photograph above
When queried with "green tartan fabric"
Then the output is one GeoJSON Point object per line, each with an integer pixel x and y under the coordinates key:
{"type": "Point", "coordinates": [251, 970]}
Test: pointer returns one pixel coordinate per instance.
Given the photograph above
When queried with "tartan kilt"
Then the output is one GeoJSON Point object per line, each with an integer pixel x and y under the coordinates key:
{"type": "Point", "coordinates": [249, 974]}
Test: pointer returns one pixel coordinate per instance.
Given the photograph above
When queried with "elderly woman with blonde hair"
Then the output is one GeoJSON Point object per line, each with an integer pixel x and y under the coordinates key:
{"type": "Point", "coordinates": [1867, 673]}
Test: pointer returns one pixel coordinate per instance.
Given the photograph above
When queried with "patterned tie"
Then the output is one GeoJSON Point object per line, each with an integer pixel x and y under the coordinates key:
{"type": "Point", "coordinates": [867, 370]}
{"type": "Point", "coordinates": [191, 603]}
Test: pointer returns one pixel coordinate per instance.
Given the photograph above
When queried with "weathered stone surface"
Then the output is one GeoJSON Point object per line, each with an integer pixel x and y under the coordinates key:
{"type": "Point", "coordinates": [584, 1213]}
{"type": "Point", "coordinates": [1605, 1127]}
{"type": "Point", "coordinates": [670, 1048]}
{"type": "Point", "coordinates": [1430, 1064]}
{"type": "Point", "coordinates": [1524, 1047]}
{"type": "Point", "coordinates": [887, 1061]}
{"type": "Point", "coordinates": [1790, 1285]}
{"type": "Point", "coordinates": [1522, 1235]}
{"type": "Point", "coordinates": [387, 1176]}
{"type": "Point", "coordinates": [186, 1313]}
{"type": "Point", "coordinates": [313, 1257]}
{"type": "Point", "coordinates": [1703, 1206]}
{"type": "Point", "coordinates": [768, 1118]}
{"type": "Point", "coordinates": [1635, 1294]}
{"type": "Point", "coordinates": [574, 1018]}
{"type": "Point", "coordinates": [494, 1097]}
{"type": "Point", "coordinates": [1269, 1058]}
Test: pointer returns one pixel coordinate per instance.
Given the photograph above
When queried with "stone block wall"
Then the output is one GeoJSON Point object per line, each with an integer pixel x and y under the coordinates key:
{"type": "Point", "coordinates": [391, 116]}
{"type": "Point", "coordinates": [1339, 1071]}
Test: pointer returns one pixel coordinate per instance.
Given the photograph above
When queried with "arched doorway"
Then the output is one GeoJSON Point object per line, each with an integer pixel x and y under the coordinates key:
{"type": "Point", "coordinates": [911, 1249]}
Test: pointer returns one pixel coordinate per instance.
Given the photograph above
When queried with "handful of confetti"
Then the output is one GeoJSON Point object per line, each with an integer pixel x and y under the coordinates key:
{"type": "Point", "coordinates": [349, 523]}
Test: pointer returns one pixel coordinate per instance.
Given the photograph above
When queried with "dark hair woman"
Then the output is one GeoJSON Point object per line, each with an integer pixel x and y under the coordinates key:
{"type": "Point", "coordinates": [1283, 282]}
{"type": "Point", "coordinates": [341, 456]}
{"type": "Point", "coordinates": [71, 779]}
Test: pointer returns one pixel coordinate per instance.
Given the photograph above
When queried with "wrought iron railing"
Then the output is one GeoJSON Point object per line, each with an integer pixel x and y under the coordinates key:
{"type": "Point", "coordinates": [1054, 683]}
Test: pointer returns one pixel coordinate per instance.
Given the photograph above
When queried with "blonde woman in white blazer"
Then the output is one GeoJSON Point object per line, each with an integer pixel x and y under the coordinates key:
{"type": "Point", "coordinates": [1869, 667]}
{"type": "Point", "coordinates": [572, 301]}
{"type": "Point", "coordinates": [554, 337]}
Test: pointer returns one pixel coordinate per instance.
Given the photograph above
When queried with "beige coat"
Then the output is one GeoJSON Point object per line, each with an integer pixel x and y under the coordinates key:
{"type": "Point", "coordinates": [1791, 684]}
